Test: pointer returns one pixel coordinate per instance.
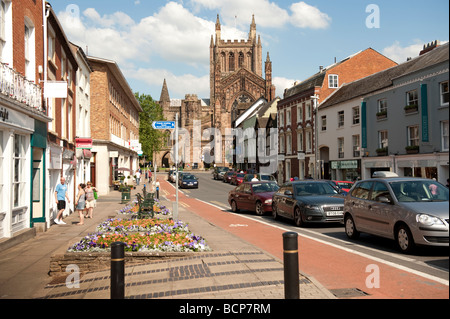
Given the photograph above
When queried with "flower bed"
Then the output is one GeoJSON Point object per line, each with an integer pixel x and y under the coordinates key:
{"type": "Point", "coordinates": [142, 225]}
{"type": "Point", "coordinates": [166, 242]}
{"type": "Point", "coordinates": [153, 234]}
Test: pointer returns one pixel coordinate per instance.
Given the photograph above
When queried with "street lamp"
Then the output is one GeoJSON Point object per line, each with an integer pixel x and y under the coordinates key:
{"type": "Point", "coordinates": [315, 99]}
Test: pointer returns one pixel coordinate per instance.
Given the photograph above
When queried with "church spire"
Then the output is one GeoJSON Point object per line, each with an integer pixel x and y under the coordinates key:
{"type": "Point", "coordinates": [218, 28]}
{"type": "Point", "coordinates": [252, 34]}
{"type": "Point", "coordinates": [164, 93]}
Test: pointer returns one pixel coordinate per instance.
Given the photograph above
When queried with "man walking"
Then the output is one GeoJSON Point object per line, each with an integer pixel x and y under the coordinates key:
{"type": "Point", "coordinates": [138, 177]}
{"type": "Point", "coordinates": [61, 193]}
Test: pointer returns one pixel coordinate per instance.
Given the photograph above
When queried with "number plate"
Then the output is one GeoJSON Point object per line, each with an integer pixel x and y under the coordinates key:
{"type": "Point", "coordinates": [337, 213]}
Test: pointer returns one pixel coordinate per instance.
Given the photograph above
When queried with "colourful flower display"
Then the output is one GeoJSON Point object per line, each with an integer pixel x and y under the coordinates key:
{"type": "Point", "coordinates": [153, 234]}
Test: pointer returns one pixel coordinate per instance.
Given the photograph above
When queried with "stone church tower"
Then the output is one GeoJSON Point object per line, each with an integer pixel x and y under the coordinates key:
{"type": "Point", "coordinates": [236, 79]}
{"type": "Point", "coordinates": [236, 82]}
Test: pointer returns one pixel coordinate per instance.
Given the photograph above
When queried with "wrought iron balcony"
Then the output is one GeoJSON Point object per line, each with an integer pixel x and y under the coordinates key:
{"type": "Point", "coordinates": [15, 86]}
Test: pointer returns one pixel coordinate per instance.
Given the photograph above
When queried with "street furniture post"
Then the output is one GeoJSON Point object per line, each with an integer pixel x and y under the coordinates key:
{"type": "Point", "coordinates": [291, 271]}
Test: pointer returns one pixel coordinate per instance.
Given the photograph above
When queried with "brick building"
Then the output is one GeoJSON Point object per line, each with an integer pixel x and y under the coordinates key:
{"type": "Point", "coordinates": [114, 119]}
{"type": "Point", "coordinates": [60, 96]}
{"type": "Point", "coordinates": [297, 109]}
{"type": "Point", "coordinates": [23, 118]}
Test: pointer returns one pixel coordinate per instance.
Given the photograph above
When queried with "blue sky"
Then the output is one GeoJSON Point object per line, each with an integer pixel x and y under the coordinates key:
{"type": "Point", "coordinates": [153, 40]}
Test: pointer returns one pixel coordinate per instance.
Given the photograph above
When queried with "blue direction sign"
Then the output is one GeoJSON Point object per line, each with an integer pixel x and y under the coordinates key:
{"type": "Point", "coordinates": [163, 125]}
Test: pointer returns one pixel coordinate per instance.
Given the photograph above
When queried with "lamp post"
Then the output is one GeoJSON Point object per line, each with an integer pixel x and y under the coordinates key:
{"type": "Point", "coordinates": [315, 99]}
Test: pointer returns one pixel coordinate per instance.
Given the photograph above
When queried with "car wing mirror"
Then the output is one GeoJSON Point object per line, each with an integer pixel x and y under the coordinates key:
{"type": "Point", "coordinates": [288, 193]}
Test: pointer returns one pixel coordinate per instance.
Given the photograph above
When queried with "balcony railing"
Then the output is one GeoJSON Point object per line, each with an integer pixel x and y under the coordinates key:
{"type": "Point", "coordinates": [16, 86]}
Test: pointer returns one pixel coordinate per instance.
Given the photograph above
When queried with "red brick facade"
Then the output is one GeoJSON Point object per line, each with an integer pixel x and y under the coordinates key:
{"type": "Point", "coordinates": [30, 12]}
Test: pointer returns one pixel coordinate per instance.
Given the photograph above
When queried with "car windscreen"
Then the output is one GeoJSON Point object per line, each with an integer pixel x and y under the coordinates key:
{"type": "Point", "coordinates": [188, 176]}
{"type": "Point", "coordinates": [240, 175]}
{"type": "Point", "coordinates": [264, 187]}
{"type": "Point", "coordinates": [267, 178]}
{"type": "Point", "coordinates": [312, 189]}
{"type": "Point", "coordinates": [419, 191]}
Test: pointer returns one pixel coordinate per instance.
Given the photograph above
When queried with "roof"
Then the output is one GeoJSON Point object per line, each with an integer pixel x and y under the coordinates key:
{"type": "Point", "coordinates": [384, 79]}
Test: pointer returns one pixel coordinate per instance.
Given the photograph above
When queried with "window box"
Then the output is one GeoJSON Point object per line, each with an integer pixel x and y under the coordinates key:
{"type": "Point", "coordinates": [381, 115]}
{"type": "Point", "coordinates": [412, 149]}
{"type": "Point", "coordinates": [413, 108]}
{"type": "Point", "coordinates": [382, 151]}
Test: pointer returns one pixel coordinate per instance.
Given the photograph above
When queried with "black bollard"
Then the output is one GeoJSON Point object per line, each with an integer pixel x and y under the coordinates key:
{"type": "Point", "coordinates": [291, 272]}
{"type": "Point", "coordinates": [117, 270]}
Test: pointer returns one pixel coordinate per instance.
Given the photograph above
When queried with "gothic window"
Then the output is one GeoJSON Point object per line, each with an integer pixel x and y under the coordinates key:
{"type": "Point", "coordinates": [241, 59]}
{"type": "Point", "coordinates": [231, 62]}
{"type": "Point", "coordinates": [222, 62]}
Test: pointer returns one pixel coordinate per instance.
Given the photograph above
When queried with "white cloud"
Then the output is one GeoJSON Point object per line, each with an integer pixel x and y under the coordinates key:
{"type": "Point", "coordinates": [267, 14]}
{"type": "Point", "coordinates": [281, 84]}
{"type": "Point", "coordinates": [178, 85]}
{"type": "Point", "coordinates": [306, 16]}
{"type": "Point", "coordinates": [399, 54]}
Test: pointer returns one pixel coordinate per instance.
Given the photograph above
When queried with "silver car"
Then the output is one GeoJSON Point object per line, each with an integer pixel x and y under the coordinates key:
{"type": "Point", "coordinates": [412, 211]}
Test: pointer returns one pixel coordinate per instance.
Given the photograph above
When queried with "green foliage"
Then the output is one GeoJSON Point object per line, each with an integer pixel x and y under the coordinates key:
{"type": "Point", "coordinates": [152, 140]}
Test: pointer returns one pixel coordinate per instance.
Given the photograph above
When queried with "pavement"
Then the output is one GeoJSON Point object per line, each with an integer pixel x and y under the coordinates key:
{"type": "Point", "coordinates": [234, 269]}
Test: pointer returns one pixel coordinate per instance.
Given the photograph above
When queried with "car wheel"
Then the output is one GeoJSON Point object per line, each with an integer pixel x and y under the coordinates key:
{"type": "Point", "coordinates": [405, 239]}
{"type": "Point", "coordinates": [234, 207]}
{"type": "Point", "coordinates": [274, 211]}
{"type": "Point", "coordinates": [259, 209]}
{"type": "Point", "coordinates": [350, 227]}
{"type": "Point", "coordinates": [298, 217]}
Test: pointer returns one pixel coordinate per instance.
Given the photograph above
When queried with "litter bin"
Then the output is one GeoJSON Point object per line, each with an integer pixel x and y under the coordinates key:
{"type": "Point", "coordinates": [126, 195]}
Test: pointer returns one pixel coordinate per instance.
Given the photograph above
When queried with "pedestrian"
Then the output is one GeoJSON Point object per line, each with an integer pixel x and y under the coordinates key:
{"type": "Point", "coordinates": [157, 186]}
{"type": "Point", "coordinates": [91, 202]}
{"type": "Point", "coordinates": [255, 178]}
{"type": "Point", "coordinates": [138, 177]}
{"type": "Point", "coordinates": [150, 176]}
{"type": "Point", "coordinates": [80, 202]}
{"type": "Point", "coordinates": [61, 193]}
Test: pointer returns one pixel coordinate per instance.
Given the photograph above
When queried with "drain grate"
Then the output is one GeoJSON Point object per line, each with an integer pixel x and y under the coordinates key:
{"type": "Point", "coordinates": [348, 293]}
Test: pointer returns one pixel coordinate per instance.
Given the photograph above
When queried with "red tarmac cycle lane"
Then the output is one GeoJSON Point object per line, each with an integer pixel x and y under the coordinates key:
{"type": "Point", "coordinates": [334, 268]}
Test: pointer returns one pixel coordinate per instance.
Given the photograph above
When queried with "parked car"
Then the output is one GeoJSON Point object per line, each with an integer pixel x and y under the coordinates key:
{"type": "Point", "coordinates": [169, 174]}
{"type": "Point", "coordinates": [308, 201]}
{"type": "Point", "coordinates": [261, 177]}
{"type": "Point", "coordinates": [219, 172]}
{"type": "Point", "coordinates": [227, 176]}
{"type": "Point", "coordinates": [173, 176]}
{"type": "Point", "coordinates": [237, 179]}
{"type": "Point", "coordinates": [412, 211]}
{"type": "Point", "coordinates": [253, 196]}
{"type": "Point", "coordinates": [344, 185]}
{"type": "Point", "coordinates": [187, 181]}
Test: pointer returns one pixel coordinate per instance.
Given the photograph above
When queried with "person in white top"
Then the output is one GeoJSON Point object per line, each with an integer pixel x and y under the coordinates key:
{"type": "Point", "coordinates": [255, 178]}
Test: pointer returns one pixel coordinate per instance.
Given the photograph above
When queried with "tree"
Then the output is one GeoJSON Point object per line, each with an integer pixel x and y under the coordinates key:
{"type": "Point", "coordinates": [152, 140]}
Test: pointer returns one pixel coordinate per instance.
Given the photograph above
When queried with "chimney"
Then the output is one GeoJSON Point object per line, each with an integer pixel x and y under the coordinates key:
{"type": "Point", "coordinates": [321, 68]}
{"type": "Point", "coordinates": [430, 46]}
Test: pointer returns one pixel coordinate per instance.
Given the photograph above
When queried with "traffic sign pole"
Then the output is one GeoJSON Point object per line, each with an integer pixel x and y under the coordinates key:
{"type": "Point", "coordinates": [175, 213]}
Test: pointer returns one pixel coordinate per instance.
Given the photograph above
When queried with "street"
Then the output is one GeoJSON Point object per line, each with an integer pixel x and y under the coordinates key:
{"type": "Point", "coordinates": [431, 265]}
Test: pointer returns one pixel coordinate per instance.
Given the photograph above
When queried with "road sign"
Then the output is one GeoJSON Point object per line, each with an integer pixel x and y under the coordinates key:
{"type": "Point", "coordinates": [163, 125]}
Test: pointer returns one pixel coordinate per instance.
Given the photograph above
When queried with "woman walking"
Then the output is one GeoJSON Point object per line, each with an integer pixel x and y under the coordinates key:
{"type": "Point", "coordinates": [90, 199]}
{"type": "Point", "coordinates": [80, 202]}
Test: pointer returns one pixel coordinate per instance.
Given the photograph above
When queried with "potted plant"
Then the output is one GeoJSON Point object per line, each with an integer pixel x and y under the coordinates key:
{"type": "Point", "coordinates": [412, 149]}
